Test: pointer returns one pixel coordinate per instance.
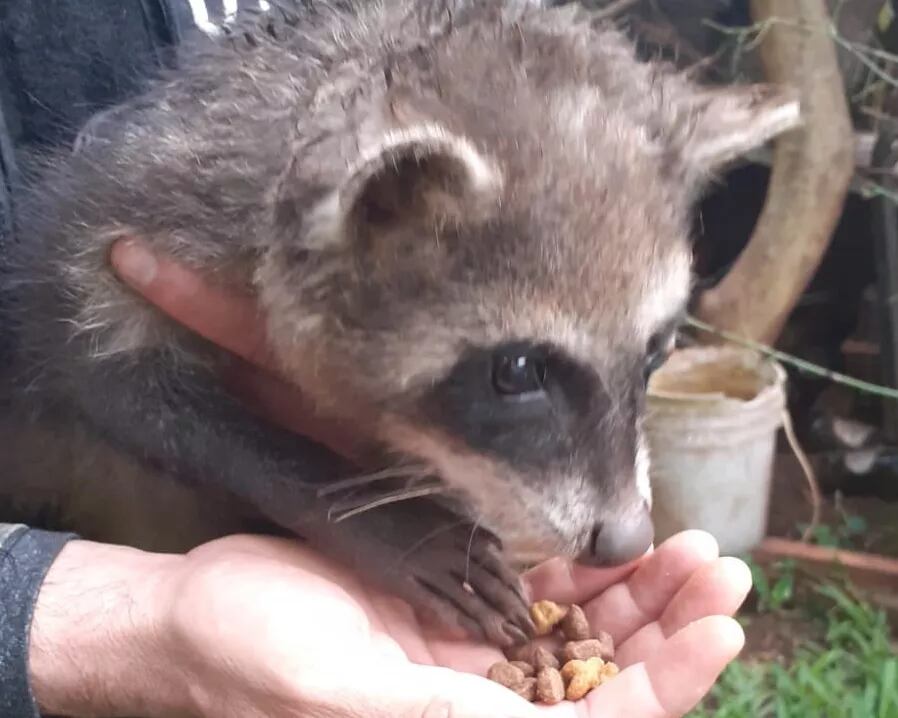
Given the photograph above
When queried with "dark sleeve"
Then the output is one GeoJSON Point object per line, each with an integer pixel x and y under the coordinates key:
{"type": "Point", "coordinates": [25, 557]}
{"type": "Point", "coordinates": [61, 62]}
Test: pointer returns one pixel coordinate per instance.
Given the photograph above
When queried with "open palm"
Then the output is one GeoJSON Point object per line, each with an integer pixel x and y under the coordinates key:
{"type": "Point", "coordinates": [311, 640]}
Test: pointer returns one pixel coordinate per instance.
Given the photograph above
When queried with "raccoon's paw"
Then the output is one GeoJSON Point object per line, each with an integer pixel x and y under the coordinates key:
{"type": "Point", "coordinates": [461, 581]}
{"type": "Point", "coordinates": [433, 558]}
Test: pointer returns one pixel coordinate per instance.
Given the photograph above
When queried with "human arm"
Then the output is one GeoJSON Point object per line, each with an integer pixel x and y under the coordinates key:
{"type": "Point", "coordinates": [26, 556]}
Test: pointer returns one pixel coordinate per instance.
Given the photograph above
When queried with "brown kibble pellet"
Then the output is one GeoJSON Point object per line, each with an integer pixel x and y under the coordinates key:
{"type": "Point", "coordinates": [581, 677]}
{"type": "Point", "coordinates": [533, 670]}
{"type": "Point", "coordinates": [549, 686]}
{"type": "Point", "coordinates": [546, 615]}
{"type": "Point", "coordinates": [506, 674]}
{"type": "Point", "coordinates": [527, 689]}
{"type": "Point", "coordinates": [582, 650]}
{"type": "Point", "coordinates": [592, 647]}
{"type": "Point", "coordinates": [544, 658]}
{"type": "Point", "coordinates": [575, 626]}
{"type": "Point", "coordinates": [536, 655]}
{"type": "Point", "coordinates": [607, 645]}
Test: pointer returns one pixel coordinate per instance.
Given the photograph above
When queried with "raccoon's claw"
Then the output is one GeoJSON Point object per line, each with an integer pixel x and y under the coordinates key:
{"type": "Point", "coordinates": [473, 591]}
{"type": "Point", "coordinates": [457, 609]}
{"type": "Point", "coordinates": [429, 557]}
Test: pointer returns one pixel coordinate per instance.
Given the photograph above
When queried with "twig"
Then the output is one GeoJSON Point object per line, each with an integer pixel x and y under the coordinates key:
{"type": "Point", "coordinates": [810, 477]}
{"type": "Point", "coordinates": [806, 366]}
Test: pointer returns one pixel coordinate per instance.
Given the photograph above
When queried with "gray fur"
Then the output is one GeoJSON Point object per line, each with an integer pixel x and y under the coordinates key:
{"type": "Point", "coordinates": [552, 204]}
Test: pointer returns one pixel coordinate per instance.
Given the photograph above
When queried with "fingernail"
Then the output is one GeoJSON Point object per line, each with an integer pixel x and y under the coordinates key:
{"type": "Point", "coordinates": [135, 262]}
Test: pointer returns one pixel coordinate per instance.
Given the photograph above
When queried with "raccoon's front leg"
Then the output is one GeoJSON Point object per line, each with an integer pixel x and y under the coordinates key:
{"type": "Point", "coordinates": [179, 419]}
{"type": "Point", "coordinates": [439, 562]}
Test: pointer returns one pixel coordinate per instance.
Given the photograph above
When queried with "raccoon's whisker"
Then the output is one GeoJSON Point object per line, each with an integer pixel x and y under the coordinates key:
{"type": "Point", "coordinates": [393, 498]}
{"type": "Point", "coordinates": [360, 497]}
{"type": "Point", "coordinates": [394, 472]}
{"type": "Point", "coordinates": [468, 552]}
{"type": "Point", "coordinates": [429, 537]}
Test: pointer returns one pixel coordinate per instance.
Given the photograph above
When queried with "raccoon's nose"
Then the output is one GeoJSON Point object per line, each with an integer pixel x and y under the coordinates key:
{"type": "Point", "coordinates": [618, 541]}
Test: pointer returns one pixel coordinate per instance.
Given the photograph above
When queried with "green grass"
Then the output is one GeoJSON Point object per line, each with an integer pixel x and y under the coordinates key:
{"type": "Point", "coordinates": [847, 667]}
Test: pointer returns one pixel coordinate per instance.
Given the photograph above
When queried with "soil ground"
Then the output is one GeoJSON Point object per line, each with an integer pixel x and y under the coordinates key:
{"type": "Point", "coordinates": [776, 635]}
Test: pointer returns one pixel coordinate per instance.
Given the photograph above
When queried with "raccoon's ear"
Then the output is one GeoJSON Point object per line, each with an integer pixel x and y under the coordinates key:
{"type": "Point", "coordinates": [418, 174]}
{"type": "Point", "coordinates": [725, 124]}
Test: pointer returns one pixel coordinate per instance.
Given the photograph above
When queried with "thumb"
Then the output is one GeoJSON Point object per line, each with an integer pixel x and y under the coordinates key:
{"type": "Point", "coordinates": [416, 691]}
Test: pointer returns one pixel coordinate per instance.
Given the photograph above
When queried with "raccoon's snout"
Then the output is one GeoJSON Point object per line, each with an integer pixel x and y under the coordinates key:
{"type": "Point", "coordinates": [617, 541]}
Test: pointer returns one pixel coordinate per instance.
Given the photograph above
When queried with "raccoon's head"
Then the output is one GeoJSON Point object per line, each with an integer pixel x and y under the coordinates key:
{"type": "Point", "coordinates": [492, 281]}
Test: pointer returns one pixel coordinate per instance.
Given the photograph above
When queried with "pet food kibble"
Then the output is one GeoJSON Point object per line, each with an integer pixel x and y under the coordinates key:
{"type": "Point", "coordinates": [575, 626]}
{"type": "Point", "coordinates": [608, 671]}
{"type": "Point", "coordinates": [532, 670]}
{"type": "Point", "coordinates": [527, 690]}
{"type": "Point", "coordinates": [544, 658]}
{"type": "Point", "coordinates": [603, 647]}
{"type": "Point", "coordinates": [536, 655]}
{"type": "Point", "coordinates": [607, 645]}
{"type": "Point", "coordinates": [506, 674]}
{"type": "Point", "coordinates": [572, 668]}
{"type": "Point", "coordinates": [549, 686]}
{"type": "Point", "coordinates": [581, 677]}
{"type": "Point", "coordinates": [582, 650]}
{"type": "Point", "coordinates": [546, 615]}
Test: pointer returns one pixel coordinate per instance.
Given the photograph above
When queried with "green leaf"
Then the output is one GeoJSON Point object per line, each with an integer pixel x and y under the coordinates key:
{"type": "Point", "coordinates": [782, 590]}
{"type": "Point", "coordinates": [856, 525]}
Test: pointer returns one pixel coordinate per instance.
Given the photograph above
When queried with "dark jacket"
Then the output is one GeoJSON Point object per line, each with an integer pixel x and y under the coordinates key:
{"type": "Point", "coordinates": [62, 61]}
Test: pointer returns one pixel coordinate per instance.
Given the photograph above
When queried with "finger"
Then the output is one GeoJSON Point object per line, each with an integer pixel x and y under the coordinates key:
{"type": "Point", "coordinates": [430, 692]}
{"type": "Point", "coordinates": [719, 588]}
{"type": "Point", "coordinates": [223, 317]}
{"type": "Point", "coordinates": [716, 589]}
{"type": "Point", "coordinates": [464, 656]}
{"type": "Point", "coordinates": [563, 582]}
{"type": "Point", "coordinates": [675, 678]}
{"type": "Point", "coordinates": [628, 606]}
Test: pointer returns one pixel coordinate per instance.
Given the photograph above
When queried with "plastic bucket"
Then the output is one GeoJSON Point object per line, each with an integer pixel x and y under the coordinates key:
{"type": "Point", "coordinates": [713, 414]}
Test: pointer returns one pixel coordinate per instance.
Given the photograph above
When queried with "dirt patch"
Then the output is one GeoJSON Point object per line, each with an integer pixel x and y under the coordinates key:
{"type": "Point", "coordinates": [775, 636]}
{"type": "Point", "coordinates": [790, 511]}
{"type": "Point", "coordinates": [860, 523]}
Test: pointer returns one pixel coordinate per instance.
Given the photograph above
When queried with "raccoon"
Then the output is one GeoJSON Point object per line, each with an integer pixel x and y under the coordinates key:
{"type": "Point", "coordinates": [466, 223]}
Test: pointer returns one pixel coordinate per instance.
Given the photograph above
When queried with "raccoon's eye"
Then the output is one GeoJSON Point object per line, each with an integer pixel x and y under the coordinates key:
{"type": "Point", "coordinates": [653, 362]}
{"type": "Point", "coordinates": [658, 351]}
{"type": "Point", "coordinates": [518, 374]}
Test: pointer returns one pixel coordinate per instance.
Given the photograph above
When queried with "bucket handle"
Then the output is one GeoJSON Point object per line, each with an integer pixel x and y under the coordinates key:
{"type": "Point", "coordinates": [808, 471]}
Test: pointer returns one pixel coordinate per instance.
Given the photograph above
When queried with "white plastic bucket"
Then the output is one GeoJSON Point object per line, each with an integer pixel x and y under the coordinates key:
{"type": "Point", "coordinates": [712, 418]}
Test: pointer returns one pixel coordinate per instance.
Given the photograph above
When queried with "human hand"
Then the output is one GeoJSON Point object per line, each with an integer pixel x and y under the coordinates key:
{"type": "Point", "coordinates": [232, 322]}
{"type": "Point", "coordinates": [247, 627]}
{"type": "Point", "coordinates": [289, 634]}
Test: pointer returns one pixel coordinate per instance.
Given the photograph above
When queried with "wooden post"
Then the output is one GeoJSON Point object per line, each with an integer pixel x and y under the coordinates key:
{"type": "Point", "coordinates": [812, 170]}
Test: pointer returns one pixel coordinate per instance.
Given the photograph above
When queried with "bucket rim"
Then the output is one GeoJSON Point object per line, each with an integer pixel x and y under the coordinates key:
{"type": "Point", "coordinates": [771, 392]}
{"type": "Point", "coordinates": [779, 375]}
